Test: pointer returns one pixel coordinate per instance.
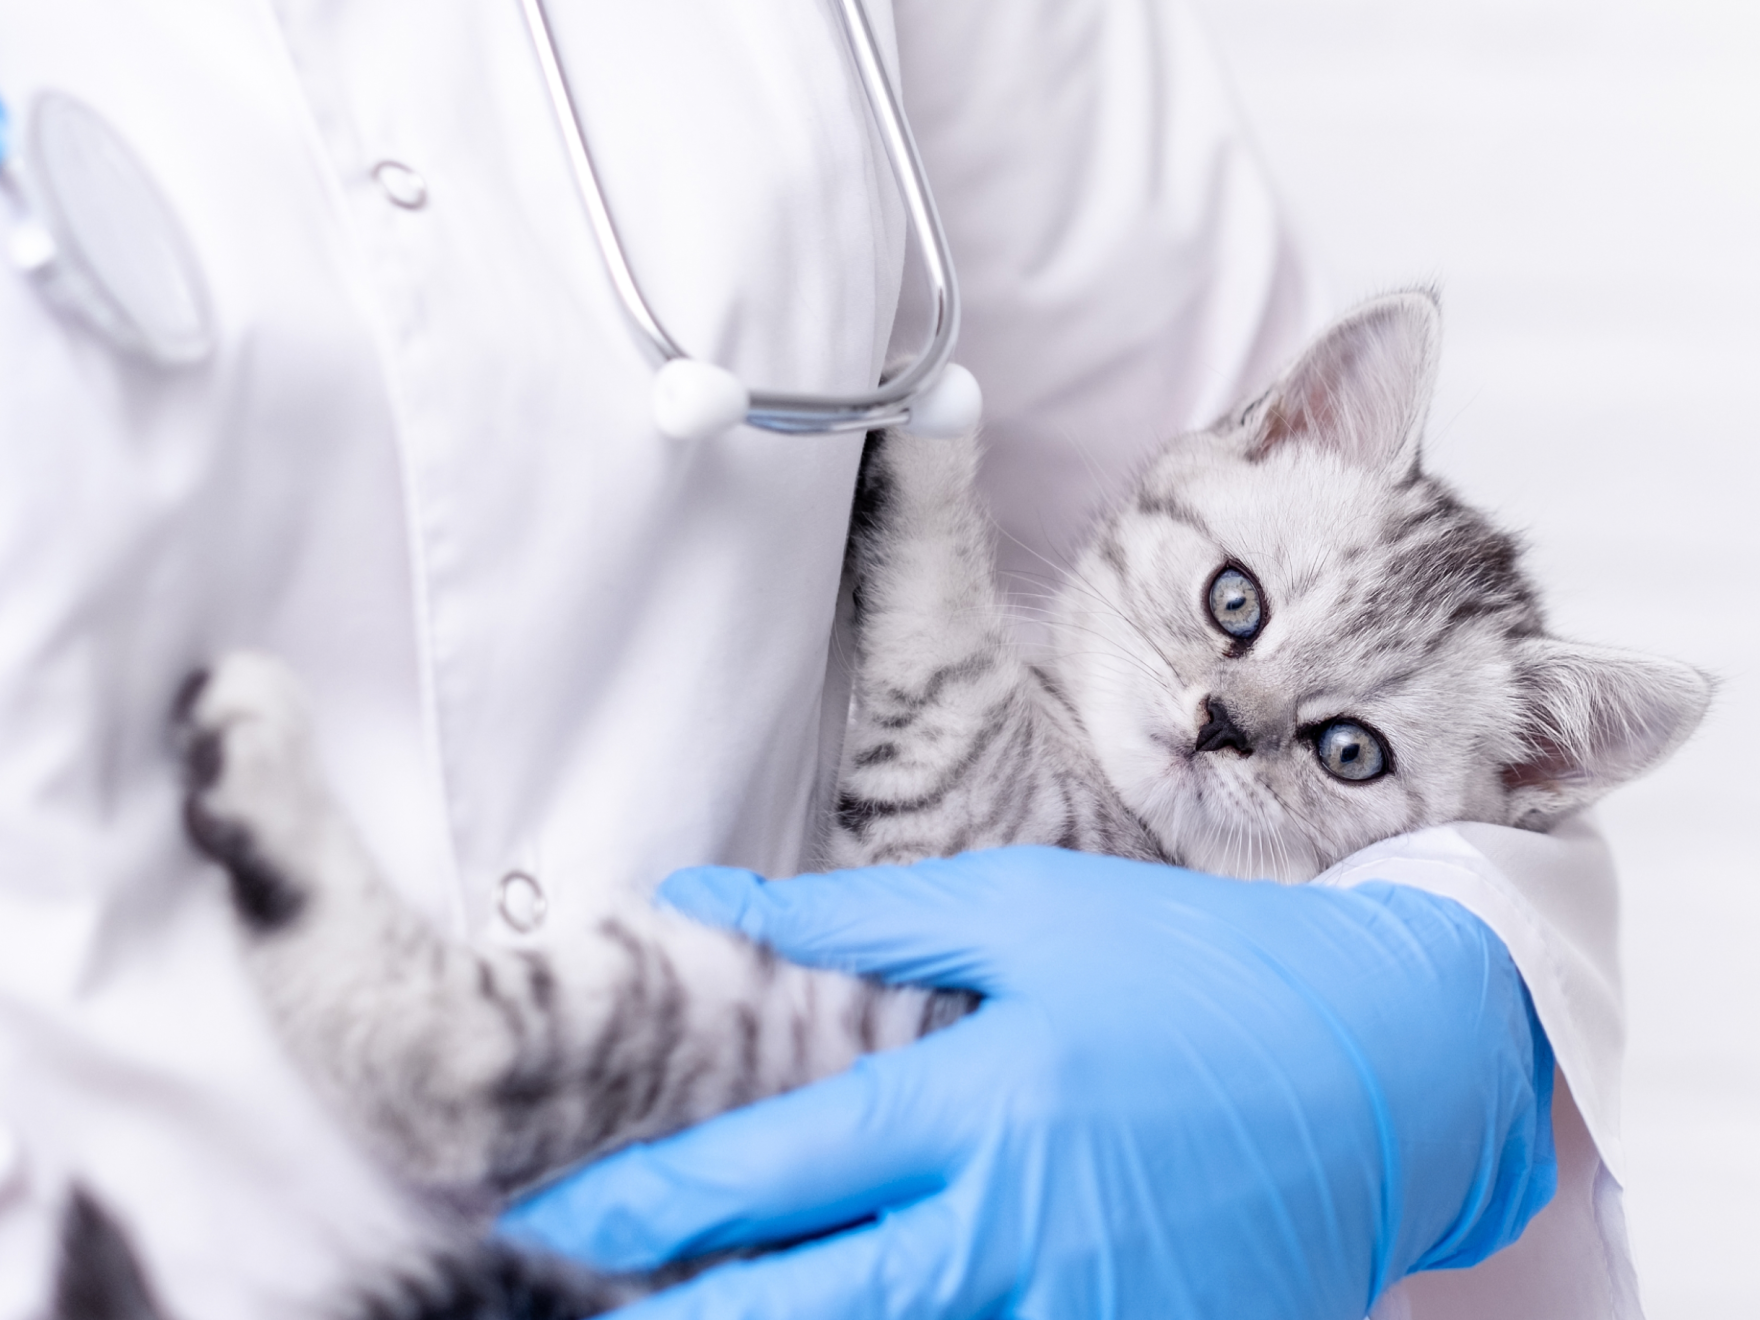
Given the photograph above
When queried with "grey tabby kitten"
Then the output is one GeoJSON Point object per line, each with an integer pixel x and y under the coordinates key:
{"type": "Point", "coordinates": [1288, 642]}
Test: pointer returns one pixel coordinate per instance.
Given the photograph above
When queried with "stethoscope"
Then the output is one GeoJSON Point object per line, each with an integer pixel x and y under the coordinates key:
{"type": "Point", "coordinates": [92, 230]}
{"type": "Point", "coordinates": [90, 227]}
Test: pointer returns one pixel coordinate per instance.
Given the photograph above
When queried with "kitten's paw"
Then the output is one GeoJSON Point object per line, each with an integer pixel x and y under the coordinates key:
{"type": "Point", "coordinates": [253, 799]}
{"type": "Point", "coordinates": [933, 469]}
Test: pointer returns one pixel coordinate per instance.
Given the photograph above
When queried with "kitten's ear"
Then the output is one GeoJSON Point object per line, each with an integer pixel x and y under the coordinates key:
{"type": "Point", "coordinates": [1362, 389]}
{"type": "Point", "coordinates": [1592, 718]}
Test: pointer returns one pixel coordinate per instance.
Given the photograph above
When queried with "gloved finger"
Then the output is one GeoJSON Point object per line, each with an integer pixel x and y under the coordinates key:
{"type": "Point", "coordinates": [919, 923]}
{"type": "Point", "coordinates": [882, 1134]}
{"type": "Point", "coordinates": [912, 1263]}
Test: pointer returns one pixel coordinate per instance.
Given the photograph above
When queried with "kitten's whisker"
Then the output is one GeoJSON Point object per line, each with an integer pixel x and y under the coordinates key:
{"type": "Point", "coordinates": [1040, 555]}
{"type": "Point", "coordinates": [1068, 575]}
{"type": "Point", "coordinates": [1310, 828]}
{"type": "Point", "coordinates": [1122, 615]}
{"type": "Point", "coordinates": [1125, 617]}
{"type": "Point", "coordinates": [1158, 677]}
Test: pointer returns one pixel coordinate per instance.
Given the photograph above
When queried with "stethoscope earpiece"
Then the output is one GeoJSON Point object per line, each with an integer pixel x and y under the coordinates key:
{"type": "Point", "coordinates": [949, 408]}
{"type": "Point", "coordinates": [95, 234]}
{"type": "Point", "coordinates": [694, 400]}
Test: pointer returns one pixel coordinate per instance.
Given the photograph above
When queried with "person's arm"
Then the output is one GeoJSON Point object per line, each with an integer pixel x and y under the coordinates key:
{"type": "Point", "coordinates": [1181, 1096]}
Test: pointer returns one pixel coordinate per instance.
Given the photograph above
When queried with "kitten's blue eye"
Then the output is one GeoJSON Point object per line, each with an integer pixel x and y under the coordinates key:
{"type": "Point", "coordinates": [1349, 751]}
{"type": "Point", "coordinates": [1235, 604]}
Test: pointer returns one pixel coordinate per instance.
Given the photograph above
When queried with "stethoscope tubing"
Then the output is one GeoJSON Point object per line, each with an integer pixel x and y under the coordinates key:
{"type": "Point", "coordinates": [890, 403]}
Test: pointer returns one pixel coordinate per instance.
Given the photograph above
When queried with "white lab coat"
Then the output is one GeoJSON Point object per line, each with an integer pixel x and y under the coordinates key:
{"type": "Point", "coordinates": [537, 635]}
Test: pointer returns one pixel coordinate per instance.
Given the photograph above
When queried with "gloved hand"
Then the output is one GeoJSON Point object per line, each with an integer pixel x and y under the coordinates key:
{"type": "Point", "coordinates": [1182, 1097]}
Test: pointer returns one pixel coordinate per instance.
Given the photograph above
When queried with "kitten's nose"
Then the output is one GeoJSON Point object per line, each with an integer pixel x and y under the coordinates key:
{"type": "Point", "coordinates": [1221, 731]}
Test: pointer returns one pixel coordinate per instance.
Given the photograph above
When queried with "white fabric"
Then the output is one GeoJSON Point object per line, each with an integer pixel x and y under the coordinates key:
{"type": "Point", "coordinates": [1561, 924]}
{"type": "Point", "coordinates": [538, 635]}
{"type": "Point", "coordinates": [1126, 271]}
{"type": "Point", "coordinates": [1553, 900]}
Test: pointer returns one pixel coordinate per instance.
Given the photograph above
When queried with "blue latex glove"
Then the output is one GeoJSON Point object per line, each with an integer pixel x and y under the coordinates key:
{"type": "Point", "coordinates": [1182, 1097]}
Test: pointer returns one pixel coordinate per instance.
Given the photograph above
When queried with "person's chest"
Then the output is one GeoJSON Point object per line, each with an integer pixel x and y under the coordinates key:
{"type": "Point", "coordinates": [420, 463]}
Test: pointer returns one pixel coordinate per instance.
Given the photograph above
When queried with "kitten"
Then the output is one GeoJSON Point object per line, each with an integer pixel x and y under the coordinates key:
{"type": "Point", "coordinates": [1286, 643]}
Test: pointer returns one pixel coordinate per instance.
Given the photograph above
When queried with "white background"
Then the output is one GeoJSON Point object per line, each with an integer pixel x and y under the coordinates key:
{"type": "Point", "coordinates": [1582, 180]}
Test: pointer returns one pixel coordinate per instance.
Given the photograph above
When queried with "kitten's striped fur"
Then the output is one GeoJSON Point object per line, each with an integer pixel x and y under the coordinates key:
{"type": "Point", "coordinates": [1148, 732]}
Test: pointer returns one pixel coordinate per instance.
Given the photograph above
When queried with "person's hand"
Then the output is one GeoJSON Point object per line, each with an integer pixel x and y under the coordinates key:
{"type": "Point", "coordinates": [1181, 1097]}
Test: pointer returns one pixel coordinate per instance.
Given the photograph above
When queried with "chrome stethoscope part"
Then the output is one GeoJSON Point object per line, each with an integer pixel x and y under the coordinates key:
{"type": "Point", "coordinates": [94, 233]}
{"type": "Point", "coordinates": [693, 399]}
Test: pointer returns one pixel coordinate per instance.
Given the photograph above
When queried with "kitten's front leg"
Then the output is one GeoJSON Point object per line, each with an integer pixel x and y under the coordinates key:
{"type": "Point", "coordinates": [953, 742]}
{"type": "Point", "coordinates": [936, 684]}
{"type": "Point", "coordinates": [474, 1068]}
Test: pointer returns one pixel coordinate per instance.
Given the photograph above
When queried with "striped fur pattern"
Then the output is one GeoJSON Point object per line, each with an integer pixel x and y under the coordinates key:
{"type": "Point", "coordinates": [99, 1276]}
{"type": "Point", "coordinates": [480, 1068]}
{"type": "Point", "coordinates": [474, 1070]}
{"type": "Point", "coordinates": [954, 742]}
{"type": "Point", "coordinates": [1387, 607]}
{"type": "Point", "coordinates": [1384, 605]}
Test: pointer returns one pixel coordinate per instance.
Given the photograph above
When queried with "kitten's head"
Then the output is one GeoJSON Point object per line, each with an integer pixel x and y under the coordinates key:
{"type": "Point", "coordinates": [1290, 642]}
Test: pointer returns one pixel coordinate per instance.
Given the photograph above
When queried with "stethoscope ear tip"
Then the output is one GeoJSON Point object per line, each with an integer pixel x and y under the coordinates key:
{"type": "Point", "coordinates": [949, 408]}
{"type": "Point", "coordinates": [694, 400]}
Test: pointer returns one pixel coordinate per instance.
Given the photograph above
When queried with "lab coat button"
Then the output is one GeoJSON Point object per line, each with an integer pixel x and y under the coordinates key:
{"type": "Point", "coordinates": [402, 185]}
{"type": "Point", "coordinates": [521, 901]}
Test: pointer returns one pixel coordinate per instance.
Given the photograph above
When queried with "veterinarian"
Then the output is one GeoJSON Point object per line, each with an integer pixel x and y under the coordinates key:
{"type": "Point", "coordinates": [396, 428]}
